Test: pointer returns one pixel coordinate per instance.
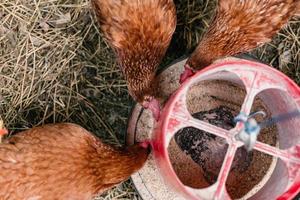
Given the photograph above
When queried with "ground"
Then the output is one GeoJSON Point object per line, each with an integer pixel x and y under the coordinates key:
{"type": "Point", "coordinates": [55, 66]}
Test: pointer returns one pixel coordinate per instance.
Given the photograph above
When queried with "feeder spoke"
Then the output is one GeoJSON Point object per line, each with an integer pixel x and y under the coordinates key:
{"type": "Point", "coordinates": [275, 152]}
{"type": "Point", "coordinates": [207, 127]}
{"type": "Point", "coordinates": [253, 86]}
{"type": "Point", "coordinates": [248, 102]}
{"type": "Point", "coordinates": [224, 172]}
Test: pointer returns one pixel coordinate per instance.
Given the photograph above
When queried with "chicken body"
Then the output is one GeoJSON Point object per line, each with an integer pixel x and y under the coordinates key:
{"type": "Point", "coordinates": [140, 33]}
{"type": "Point", "coordinates": [240, 26]}
{"type": "Point", "coordinates": [62, 161]}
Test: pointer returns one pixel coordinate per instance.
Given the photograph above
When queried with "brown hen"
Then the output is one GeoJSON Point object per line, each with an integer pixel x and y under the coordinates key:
{"type": "Point", "coordinates": [140, 33]}
{"type": "Point", "coordinates": [239, 26]}
{"type": "Point", "coordinates": [63, 161]}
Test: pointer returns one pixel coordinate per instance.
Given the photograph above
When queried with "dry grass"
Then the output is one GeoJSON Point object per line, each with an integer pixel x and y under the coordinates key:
{"type": "Point", "coordinates": [55, 66]}
{"type": "Point", "coordinates": [283, 52]}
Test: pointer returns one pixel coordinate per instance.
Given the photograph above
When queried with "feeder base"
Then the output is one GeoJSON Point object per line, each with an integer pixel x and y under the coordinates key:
{"type": "Point", "coordinates": [147, 181]}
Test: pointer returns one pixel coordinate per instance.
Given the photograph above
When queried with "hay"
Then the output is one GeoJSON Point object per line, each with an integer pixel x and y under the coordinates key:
{"type": "Point", "coordinates": [55, 66]}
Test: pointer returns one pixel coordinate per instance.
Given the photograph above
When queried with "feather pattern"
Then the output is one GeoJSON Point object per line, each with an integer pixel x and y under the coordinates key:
{"type": "Point", "coordinates": [62, 161]}
{"type": "Point", "coordinates": [139, 32]}
{"type": "Point", "coordinates": [240, 26]}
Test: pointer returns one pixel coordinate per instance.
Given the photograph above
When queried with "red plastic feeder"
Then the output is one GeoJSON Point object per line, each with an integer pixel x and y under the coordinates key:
{"type": "Point", "coordinates": [275, 90]}
{"type": "Point", "coordinates": [280, 95]}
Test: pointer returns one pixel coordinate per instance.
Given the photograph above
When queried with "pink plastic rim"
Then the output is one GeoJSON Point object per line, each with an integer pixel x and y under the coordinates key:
{"type": "Point", "coordinates": [256, 78]}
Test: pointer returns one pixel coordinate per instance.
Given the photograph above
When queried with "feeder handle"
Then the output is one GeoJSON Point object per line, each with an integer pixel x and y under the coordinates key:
{"type": "Point", "coordinates": [251, 128]}
{"type": "Point", "coordinates": [280, 118]}
{"type": "Point", "coordinates": [248, 135]}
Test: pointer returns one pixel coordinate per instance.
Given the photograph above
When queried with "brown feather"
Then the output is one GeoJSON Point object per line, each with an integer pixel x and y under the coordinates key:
{"type": "Point", "coordinates": [140, 32]}
{"type": "Point", "coordinates": [239, 26]}
{"type": "Point", "coordinates": [62, 161]}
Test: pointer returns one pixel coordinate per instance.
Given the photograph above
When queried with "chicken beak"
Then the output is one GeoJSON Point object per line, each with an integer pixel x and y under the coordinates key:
{"type": "Point", "coordinates": [147, 144]}
{"type": "Point", "coordinates": [154, 106]}
{"type": "Point", "coordinates": [188, 72]}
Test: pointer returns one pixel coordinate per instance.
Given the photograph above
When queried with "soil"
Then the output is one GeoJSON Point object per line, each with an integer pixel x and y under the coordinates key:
{"type": "Point", "coordinates": [208, 151]}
